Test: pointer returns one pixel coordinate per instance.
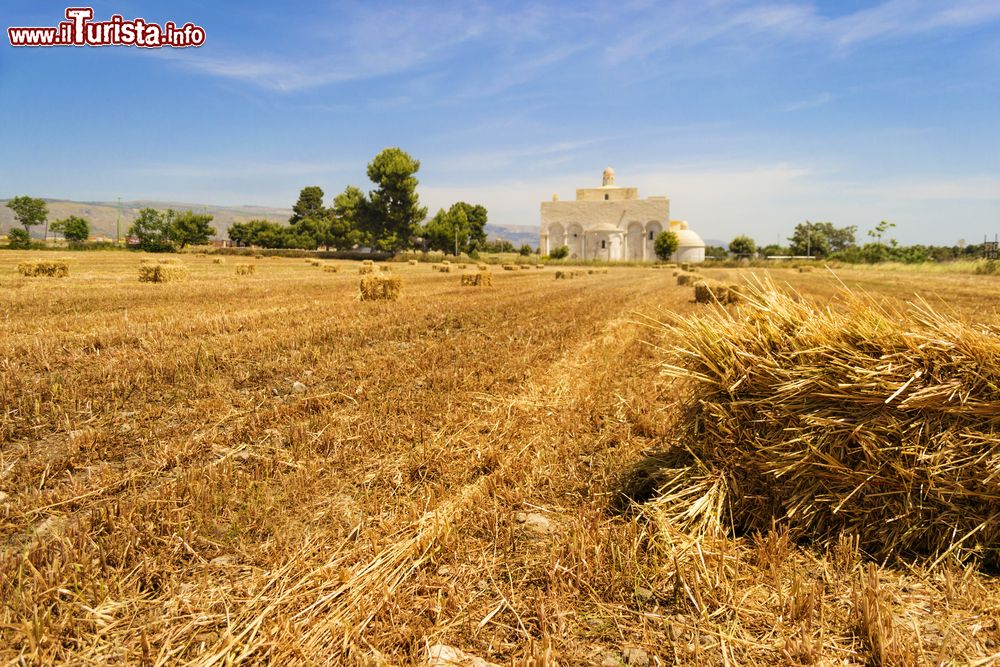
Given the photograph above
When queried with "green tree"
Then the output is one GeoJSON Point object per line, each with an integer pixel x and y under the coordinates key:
{"type": "Point", "coordinates": [665, 244]}
{"type": "Point", "coordinates": [309, 205]}
{"type": "Point", "coordinates": [561, 252]}
{"type": "Point", "coordinates": [475, 218]}
{"type": "Point", "coordinates": [877, 233]}
{"type": "Point", "coordinates": [189, 228]}
{"type": "Point", "coordinates": [392, 212]}
{"type": "Point", "coordinates": [742, 246]}
{"type": "Point", "coordinates": [525, 250]}
{"type": "Point", "coordinates": [809, 238]}
{"type": "Point", "coordinates": [774, 249]}
{"type": "Point", "coordinates": [152, 228]}
{"type": "Point", "coordinates": [29, 211]}
{"type": "Point", "coordinates": [74, 229]}
{"type": "Point", "coordinates": [18, 239]}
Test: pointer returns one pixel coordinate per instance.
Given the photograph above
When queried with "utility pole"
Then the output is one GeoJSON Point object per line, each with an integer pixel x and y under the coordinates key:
{"type": "Point", "coordinates": [118, 237]}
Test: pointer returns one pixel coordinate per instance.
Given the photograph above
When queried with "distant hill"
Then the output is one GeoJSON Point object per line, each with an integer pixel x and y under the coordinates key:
{"type": "Point", "coordinates": [103, 217]}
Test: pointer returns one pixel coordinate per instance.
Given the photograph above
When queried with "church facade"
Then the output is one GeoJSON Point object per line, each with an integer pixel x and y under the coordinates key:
{"type": "Point", "coordinates": [612, 223]}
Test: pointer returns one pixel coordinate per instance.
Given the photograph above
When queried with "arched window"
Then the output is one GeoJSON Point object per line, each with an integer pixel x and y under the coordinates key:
{"type": "Point", "coordinates": [607, 197]}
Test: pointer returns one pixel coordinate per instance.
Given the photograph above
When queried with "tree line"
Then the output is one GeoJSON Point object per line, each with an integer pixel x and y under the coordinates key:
{"type": "Point", "coordinates": [388, 217]}
{"type": "Point", "coordinates": [823, 240]}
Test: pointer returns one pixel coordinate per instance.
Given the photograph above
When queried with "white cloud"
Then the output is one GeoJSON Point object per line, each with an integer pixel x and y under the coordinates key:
{"type": "Point", "coordinates": [817, 100]}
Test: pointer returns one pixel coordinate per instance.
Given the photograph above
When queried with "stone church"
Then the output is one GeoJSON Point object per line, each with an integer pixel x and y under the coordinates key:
{"type": "Point", "coordinates": [613, 223]}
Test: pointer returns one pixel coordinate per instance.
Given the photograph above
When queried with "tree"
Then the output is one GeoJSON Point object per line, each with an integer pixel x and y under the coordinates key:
{"type": "Point", "coordinates": [309, 205]}
{"type": "Point", "coordinates": [774, 249]}
{"type": "Point", "coordinates": [665, 244]}
{"type": "Point", "coordinates": [29, 211]}
{"type": "Point", "coordinates": [810, 239]}
{"type": "Point", "coordinates": [459, 229]}
{"type": "Point", "coordinates": [742, 246]}
{"type": "Point", "coordinates": [189, 228]}
{"type": "Point", "coordinates": [393, 210]}
{"type": "Point", "coordinates": [152, 228]}
{"type": "Point", "coordinates": [561, 252]}
{"type": "Point", "coordinates": [74, 229]}
{"type": "Point", "coordinates": [525, 250]}
{"type": "Point", "coordinates": [877, 233]}
{"type": "Point", "coordinates": [18, 239]}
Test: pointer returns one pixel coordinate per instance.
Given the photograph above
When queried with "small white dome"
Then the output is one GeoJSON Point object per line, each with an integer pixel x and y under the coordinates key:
{"type": "Point", "coordinates": [688, 239]}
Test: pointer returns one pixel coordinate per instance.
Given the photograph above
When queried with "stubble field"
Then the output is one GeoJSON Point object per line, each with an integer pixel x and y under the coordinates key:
{"type": "Point", "coordinates": [264, 469]}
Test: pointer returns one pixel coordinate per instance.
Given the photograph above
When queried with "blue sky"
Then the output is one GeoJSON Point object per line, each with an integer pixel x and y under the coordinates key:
{"type": "Point", "coordinates": [750, 116]}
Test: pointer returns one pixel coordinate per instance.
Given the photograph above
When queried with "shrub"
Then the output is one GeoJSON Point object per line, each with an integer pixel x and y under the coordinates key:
{"type": "Point", "coordinates": [665, 244]}
{"type": "Point", "coordinates": [18, 239]}
{"type": "Point", "coordinates": [562, 252]}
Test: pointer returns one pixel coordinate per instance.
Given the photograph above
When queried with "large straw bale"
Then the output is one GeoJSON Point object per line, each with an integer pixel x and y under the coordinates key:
{"type": "Point", "coordinates": [246, 269]}
{"type": "Point", "coordinates": [218, 260]}
{"type": "Point", "coordinates": [47, 268]}
{"type": "Point", "coordinates": [510, 267]}
{"type": "Point", "coordinates": [167, 272]}
{"type": "Point", "coordinates": [686, 278]}
{"type": "Point", "coordinates": [315, 262]}
{"type": "Point", "coordinates": [385, 268]}
{"type": "Point", "coordinates": [539, 266]}
{"type": "Point", "coordinates": [711, 291]}
{"type": "Point", "coordinates": [482, 267]}
{"type": "Point", "coordinates": [367, 262]}
{"type": "Point", "coordinates": [366, 268]}
{"type": "Point", "coordinates": [860, 420]}
{"type": "Point", "coordinates": [481, 279]}
{"type": "Point", "coordinates": [412, 262]}
{"type": "Point", "coordinates": [376, 287]}
{"type": "Point", "coordinates": [331, 268]}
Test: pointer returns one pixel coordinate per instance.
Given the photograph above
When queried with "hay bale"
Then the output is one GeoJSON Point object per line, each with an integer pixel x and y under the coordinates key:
{"type": "Point", "coordinates": [510, 267]}
{"type": "Point", "coordinates": [385, 268]}
{"type": "Point", "coordinates": [166, 272]}
{"type": "Point", "coordinates": [461, 266]}
{"type": "Point", "coordinates": [867, 420]}
{"type": "Point", "coordinates": [331, 268]}
{"type": "Point", "coordinates": [44, 268]}
{"type": "Point", "coordinates": [218, 260]}
{"type": "Point", "coordinates": [805, 269]}
{"type": "Point", "coordinates": [246, 269]}
{"type": "Point", "coordinates": [735, 293]}
{"type": "Point", "coordinates": [482, 267]}
{"type": "Point", "coordinates": [412, 262]}
{"type": "Point", "coordinates": [367, 262]}
{"type": "Point", "coordinates": [686, 278]}
{"type": "Point", "coordinates": [539, 266]}
{"type": "Point", "coordinates": [711, 291]}
{"type": "Point", "coordinates": [443, 267]}
{"type": "Point", "coordinates": [480, 279]}
{"type": "Point", "coordinates": [685, 266]}
{"type": "Point", "coordinates": [593, 271]}
{"type": "Point", "coordinates": [376, 287]}
{"type": "Point", "coordinates": [258, 256]}
{"type": "Point", "coordinates": [524, 267]}
{"type": "Point", "coordinates": [315, 262]}
{"type": "Point", "coordinates": [563, 275]}
{"type": "Point", "coordinates": [366, 268]}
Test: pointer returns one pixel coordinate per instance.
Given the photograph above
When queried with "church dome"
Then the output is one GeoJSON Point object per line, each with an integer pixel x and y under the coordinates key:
{"type": "Point", "coordinates": [608, 177]}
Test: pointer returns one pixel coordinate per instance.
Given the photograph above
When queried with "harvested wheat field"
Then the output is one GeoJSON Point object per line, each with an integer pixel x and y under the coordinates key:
{"type": "Point", "coordinates": [272, 471]}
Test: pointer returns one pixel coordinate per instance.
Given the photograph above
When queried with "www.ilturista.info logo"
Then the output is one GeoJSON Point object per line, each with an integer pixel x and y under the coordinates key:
{"type": "Point", "coordinates": [80, 30]}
